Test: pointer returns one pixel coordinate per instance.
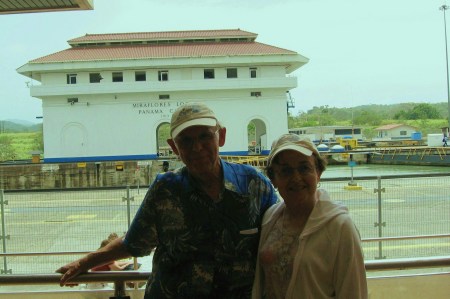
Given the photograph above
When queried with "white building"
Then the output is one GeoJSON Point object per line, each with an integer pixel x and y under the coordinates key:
{"type": "Point", "coordinates": [395, 132]}
{"type": "Point", "coordinates": [110, 96]}
{"type": "Point", "coordinates": [328, 133]}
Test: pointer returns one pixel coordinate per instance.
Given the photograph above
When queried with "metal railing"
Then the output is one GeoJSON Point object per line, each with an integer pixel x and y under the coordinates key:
{"type": "Point", "coordinates": [397, 216]}
{"type": "Point", "coordinates": [119, 278]}
{"type": "Point", "coordinates": [135, 276]}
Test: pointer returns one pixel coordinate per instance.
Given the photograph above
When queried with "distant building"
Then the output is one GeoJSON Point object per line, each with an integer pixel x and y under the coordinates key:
{"type": "Point", "coordinates": [110, 96]}
{"type": "Point", "coordinates": [328, 133]}
{"type": "Point", "coordinates": [395, 132]}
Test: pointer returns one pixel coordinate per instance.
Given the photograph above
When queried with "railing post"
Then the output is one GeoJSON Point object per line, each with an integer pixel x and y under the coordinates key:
{"type": "Point", "coordinates": [128, 199]}
{"type": "Point", "coordinates": [119, 290]}
{"type": "Point", "coordinates": [380, 224]}
{"type": "Point", "coordinates": [4, 236]}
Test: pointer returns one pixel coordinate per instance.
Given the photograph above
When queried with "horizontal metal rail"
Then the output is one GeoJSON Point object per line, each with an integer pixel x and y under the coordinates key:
{"type": "Point", "coordinates": [10, 254]}
{"type": "Point", "coordinates": [406, 238]}
{"type": "Point", "coordinates": [407, 263]}
{"type": "Point", "coordinates": [97, 276]}
{"type": "Point", "coordinates": [383, 239]}
{"type": "Point", "coordinates": [123, 276]}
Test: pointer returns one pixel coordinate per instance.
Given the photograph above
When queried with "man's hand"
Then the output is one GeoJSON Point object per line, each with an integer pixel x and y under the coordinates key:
{"type": "Point", "coordinates": [70, 271]}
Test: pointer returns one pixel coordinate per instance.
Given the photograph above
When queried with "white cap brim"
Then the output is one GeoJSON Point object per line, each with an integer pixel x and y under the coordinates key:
{"type": "Point", "coordinates": [291, 146]}
{"type": "Point", "coordinates": [210, 122]}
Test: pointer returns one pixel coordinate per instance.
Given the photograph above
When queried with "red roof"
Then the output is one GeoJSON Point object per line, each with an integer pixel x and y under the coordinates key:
{"type": "Point", "coordinates": [111, 52]}
{"type": "Point", "coordinates": [392, 126]}
{"type": "Point", "coordinates": [226, 33]}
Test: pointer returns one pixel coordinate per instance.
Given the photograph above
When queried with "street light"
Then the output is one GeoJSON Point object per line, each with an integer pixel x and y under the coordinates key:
{"type": "Point", "coordinates": [444, 8]}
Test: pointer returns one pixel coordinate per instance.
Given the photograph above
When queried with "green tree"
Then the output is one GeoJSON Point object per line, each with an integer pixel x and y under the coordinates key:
{"type": "Point", "coordinates": [424, 111]}
{"type": "Point", "coordinates": [369, 133]}
{"type": "Point", "coordinates": [402, 114]}
{"type": "Point", "coordinates": [367, 118]}
{"type": "Point", "coordinates": [421, 111]}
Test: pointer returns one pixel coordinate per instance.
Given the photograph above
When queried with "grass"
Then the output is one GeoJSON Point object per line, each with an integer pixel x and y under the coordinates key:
{"type": "Point", "coordinates": [23, 143]}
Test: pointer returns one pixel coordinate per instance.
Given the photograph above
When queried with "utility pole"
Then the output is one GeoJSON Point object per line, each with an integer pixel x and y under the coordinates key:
{"type": "Point", "coordinates": [444, 8]}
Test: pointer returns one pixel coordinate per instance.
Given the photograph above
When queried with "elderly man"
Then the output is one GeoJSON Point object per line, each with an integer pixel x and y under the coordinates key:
{"type": "Point", "coordinates": [203, 219]}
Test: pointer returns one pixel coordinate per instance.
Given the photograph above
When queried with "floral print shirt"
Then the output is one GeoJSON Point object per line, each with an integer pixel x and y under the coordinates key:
{"type": "Point", "coordinates": [204, 249]}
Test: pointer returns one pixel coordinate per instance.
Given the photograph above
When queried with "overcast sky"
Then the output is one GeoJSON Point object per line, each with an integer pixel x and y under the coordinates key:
{"type": "Point", "coordinates": [361, 52]}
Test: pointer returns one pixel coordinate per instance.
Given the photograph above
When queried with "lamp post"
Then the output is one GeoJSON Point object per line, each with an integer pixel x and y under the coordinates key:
{"type": "Point", "coordinates": [444, 8]}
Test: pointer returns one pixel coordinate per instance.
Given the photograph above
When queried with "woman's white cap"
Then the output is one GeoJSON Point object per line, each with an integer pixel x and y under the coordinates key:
{"type": "Point", "coordinates": [291, 142]}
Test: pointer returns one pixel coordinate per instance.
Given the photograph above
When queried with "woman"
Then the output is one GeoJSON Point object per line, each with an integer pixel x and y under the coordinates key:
{"type": "Point", "coordinates": [309, 246]}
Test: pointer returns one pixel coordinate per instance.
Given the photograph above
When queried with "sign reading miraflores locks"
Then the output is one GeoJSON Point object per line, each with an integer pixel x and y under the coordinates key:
{"type": "Point", "coordinates": [110, 97]}
{"type": "Point", "coordinates": [166, 109]}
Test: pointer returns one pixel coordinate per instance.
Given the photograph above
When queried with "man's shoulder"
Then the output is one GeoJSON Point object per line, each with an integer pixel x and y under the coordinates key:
{"type": "Point", "coordinates": [239, 168]}
{"type": "Point", "coordinates": [170, 178]}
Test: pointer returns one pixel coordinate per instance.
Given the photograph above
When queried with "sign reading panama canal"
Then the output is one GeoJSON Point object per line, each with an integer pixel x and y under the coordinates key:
{"type": "Point", "coordinates": [164, 109]}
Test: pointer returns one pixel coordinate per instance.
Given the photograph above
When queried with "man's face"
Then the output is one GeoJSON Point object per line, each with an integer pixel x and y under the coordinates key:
{"type": "Point", "coordinates": [198, 148]}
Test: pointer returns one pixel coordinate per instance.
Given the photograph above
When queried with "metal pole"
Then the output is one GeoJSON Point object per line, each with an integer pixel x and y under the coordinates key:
{"type": "Point", "coordinates": [380, 222]}
{"type": "Point", "coordinates": [128, 199]}
{"type": "Point", "coordinates": [444, 8]}
{"type": "Point", "coordinates": [4, 236]}
{"type": "Point", "coordinates": [352, 183]}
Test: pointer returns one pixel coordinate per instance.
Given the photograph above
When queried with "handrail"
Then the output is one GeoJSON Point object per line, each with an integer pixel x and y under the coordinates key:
{"type": "Point", "coordinates": [123, 276]}
{"type": "Point", "coordinates": [44, 253]}
{"type": "Point", "coordinates": [118, 277]}
{"type": "Point", "coordinates": [406, 238]}
{"type": "Point", "coordinates": [407, 263]}
{"type": "Point", "coordinates": [97, 276]}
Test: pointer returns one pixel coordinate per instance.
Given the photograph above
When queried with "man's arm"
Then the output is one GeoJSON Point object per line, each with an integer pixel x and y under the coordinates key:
{"type": "Point", "coordinates": [115, 250]}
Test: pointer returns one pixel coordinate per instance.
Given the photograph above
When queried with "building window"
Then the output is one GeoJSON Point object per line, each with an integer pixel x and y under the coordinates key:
{"type": "Point", "coordinates": [253, 72]}
{"type": "Point", "coordinates": [255, 93]}
{"type": "Point", "coordinates": [71, 78]}
{"type": "Point", "coordinates": [232, 73]}
{"type": "Point", "coordinates": [163, 75]}
{"type": "Point", "coordinates": [403, 133]}
{"type": "Point", "coordinates": [140, 76]}
{"type": "Point", "coordinates": [164, 97]}
{"type": "Point", "coordinates": [208, 73]}
{"type": "Point", "coordinates": [72, 101]}
{"type": "Point", "coordinates": [95, 77]}
{"type": "Point", "coordinates": [117, 77]}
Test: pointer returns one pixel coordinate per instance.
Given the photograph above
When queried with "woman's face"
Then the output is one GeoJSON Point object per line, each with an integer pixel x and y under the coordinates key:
{"type": "Point", "coordinates": [296, 177]}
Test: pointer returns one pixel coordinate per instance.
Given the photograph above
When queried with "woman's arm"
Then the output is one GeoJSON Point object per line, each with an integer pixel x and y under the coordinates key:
{"type": "Point", "coordinates": [119, 265]}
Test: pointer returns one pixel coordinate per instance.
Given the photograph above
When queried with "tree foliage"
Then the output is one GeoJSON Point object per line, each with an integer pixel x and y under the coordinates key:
{"type": "Point", "coordinates": [421, 111]}
{"type": "Point", "coordinates": [367, 118]}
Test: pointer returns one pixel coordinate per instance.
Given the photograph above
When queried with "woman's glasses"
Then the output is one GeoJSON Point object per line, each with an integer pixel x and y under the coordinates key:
{"type": "Point", "coordinates": [286, 171]}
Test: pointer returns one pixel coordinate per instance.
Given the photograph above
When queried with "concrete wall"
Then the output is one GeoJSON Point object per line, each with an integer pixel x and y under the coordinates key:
{"type": "Point", "coordinates": [80, 175]}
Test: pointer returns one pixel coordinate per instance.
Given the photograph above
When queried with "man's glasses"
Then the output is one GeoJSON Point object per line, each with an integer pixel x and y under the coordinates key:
{"type": "Point", "coordinates": [186, 142]}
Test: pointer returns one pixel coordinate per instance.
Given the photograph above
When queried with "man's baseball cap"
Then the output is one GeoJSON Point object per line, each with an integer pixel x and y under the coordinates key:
{"type": "Point", "coordinates": [191, 114]}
